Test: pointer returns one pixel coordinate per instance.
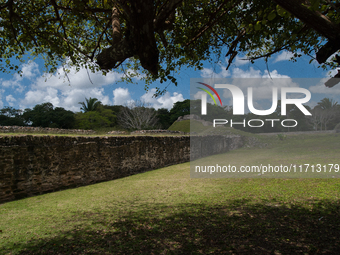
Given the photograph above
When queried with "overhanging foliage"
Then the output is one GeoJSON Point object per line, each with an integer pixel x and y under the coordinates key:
{"type": "Point", "coordinates": [162, 36]}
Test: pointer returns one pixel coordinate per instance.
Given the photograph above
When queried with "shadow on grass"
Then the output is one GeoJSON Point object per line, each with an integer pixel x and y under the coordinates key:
{"type": "Point", "coordinates": [239, 227]}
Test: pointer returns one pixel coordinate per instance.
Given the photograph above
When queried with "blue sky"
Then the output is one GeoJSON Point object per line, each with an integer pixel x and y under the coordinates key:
{"type": "Point", "coordinates": [36, 87]}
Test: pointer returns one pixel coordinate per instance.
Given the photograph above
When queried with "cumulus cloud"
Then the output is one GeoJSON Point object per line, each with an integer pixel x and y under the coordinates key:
{"type": "Point", "coordinates": [260, 80]}
{"type": "Point", "coordinates": [10, 100]}
{"type": "Point", "coordinates": [1, 103]}
{"type": "Point", "coordinates": [274, 74]}
{"type": "Point", "coordinates": [283, 56]}
{"type": "Point", "coordinates": [121, 96]}
{"type": "Point", "coordinates": [251, 73]}
{"type": "Point", "coordinates": [319, 84]}
{"type": "Point", "coordinates": [66, 99]}
{"type": "Point", "coordinates": [165, 101]}
{"type": "Point", "coordinates": [210, 73]}
{"type": "Point", "coordinates": [29, 71]}
{"type": "Point", "coordinates": [61, 89]}
{"type": "Point", "coordinates": [34, 97]}
{"type": "Point", "coordinates": [81, 79]}
{"type": "Point", "coordinates": [320, 88]}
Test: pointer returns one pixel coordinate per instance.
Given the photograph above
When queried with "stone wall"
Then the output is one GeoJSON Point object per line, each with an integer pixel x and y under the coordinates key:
{"type": "Point", "coordinates": [157, 131]}
{"type": "Point", "coordinates": [40, 130]}
{"type": "Point", "coordinates": [204, 146]}
{"type": "Point", "coordinates": [32, 165]}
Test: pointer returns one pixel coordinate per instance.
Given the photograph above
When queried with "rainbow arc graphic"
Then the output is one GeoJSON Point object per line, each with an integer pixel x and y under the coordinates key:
{"type": "Point", "coordinates": [209, 93]}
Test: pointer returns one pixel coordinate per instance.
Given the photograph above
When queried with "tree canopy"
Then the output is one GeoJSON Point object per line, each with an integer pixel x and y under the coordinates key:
{"type": "Point", "coordinates": [45, 115]}
{"type": "Point", "coordinates": [163, 35]}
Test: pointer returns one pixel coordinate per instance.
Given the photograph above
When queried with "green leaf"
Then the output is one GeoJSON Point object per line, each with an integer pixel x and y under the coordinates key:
{"type": "Point", "coordinates": [280, 11]}
{"type": "Point", "coordinates": [271, 15]}
{"type": "Point", "coordinates": [315, 4]}
{"type": "Point", "coordinates": [258, 26]}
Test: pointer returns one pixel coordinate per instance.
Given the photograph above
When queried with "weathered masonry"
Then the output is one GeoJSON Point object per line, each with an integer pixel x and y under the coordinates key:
{"type": "Point", "coordinates": [33, 165]}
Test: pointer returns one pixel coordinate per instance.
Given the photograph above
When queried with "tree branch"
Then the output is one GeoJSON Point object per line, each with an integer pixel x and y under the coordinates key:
{"type": "Point", "coordinates": [317, 21]}
{"type": "Point", "coordinates": [212, 21]}
{"type": "Point", "coordinates": [165, 11]}
{"type": "Point", "coordinates": [333, 81]}
{"type": "Point", "coordinates": [327, 50]}
{"type": "Point", "coordinates": [313, 19]}
{"type": "Point", "coordinates": [99, 40]}
{"type": "Point", "coordinates": [94, 10]}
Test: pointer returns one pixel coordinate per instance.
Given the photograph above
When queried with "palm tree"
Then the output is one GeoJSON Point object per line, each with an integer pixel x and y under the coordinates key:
{"type": "Point", "coordinates": [326, 104]}
{"type": "Point", "coordinates": [90, 105]}
{"type": "Point", "coordinates": [328, 109]}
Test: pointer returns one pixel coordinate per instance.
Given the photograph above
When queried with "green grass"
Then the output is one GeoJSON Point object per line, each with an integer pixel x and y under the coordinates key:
{"type": "Point", "coordinates": [166, 212]}
{"type": "Point", "coordinates": [183, 126]}
{"type": "Point", "coordinates": [294, 151]}
{"type": "Point", "coordinates": [197, 127]}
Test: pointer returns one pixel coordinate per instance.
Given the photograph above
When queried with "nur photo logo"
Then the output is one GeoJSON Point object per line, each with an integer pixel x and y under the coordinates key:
{"type": "Point", "coordinates": [204, 97]}
{"type": "Point", "coordinates": [290, 96]}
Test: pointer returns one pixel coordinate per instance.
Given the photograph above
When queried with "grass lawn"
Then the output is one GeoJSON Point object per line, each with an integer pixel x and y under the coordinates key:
{"type": "Point", "coordinates": [166, 212]}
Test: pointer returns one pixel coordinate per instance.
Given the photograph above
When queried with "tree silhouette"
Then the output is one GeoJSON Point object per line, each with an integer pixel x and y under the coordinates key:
{"type": "Point", "coordinates": [327, 104]}
{"type": "Point", "coordinates": [138, 115]}
{"type": "Point", "coordinates": [324, 112]}
{"type": "Point", "coordinates": [90, 105]}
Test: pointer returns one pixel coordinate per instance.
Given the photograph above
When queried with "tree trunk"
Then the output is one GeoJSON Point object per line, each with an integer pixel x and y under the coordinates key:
{"type": "Point", "coordinates": [116, 35]}
{"type": "Point", "coordinates": [139, 41]}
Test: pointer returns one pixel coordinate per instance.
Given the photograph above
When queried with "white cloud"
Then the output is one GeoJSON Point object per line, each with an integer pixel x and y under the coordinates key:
{"type": "Point", "coordinates": [1, 103]}
{"type": "Point", "coordinates": [70, 99]}
{"type": "Point", "coordinates": [60, 89]}
{"type": "Point", "coordinates": [251, 73]}
{"type": "Point", "coordinates": [260, 80]}
{"type": "Point", "coordinates": [34, 97]}
{"type": "Point", "coordinates": [121, 96]}
{"type": "Point", "coordinates": [166, 101]}
{"type": "Point", "coordinates": [320, 88]}
{"type": "Point", "coordinates": [30, 70]}
{"type": "Point", "coordinates": [82, 79]}
{"type": "Point", "coordinates": [210, 73]}
{"type": "Point", "coordinates": [283, 56]}
{"type": "Point", "coordinates": [66, 99]}
{"type": "Point", "coordinates": [238, 61]}
{"type": "Point", "coordinates": [273, 74]}
{"type": "Point", "coordinates": [10, 100]}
